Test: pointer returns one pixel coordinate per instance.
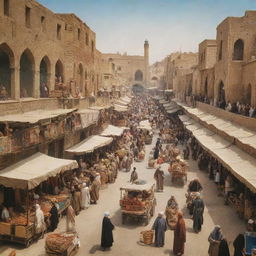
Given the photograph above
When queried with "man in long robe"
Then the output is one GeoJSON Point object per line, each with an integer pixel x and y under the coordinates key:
{"type": "Point", "coordinates": [198, 211]}
{"type": "Point", "coordinates": [179, 236]}
{"type": "Point", "coordinates": [134, 175]}
{"type": "Point", "coordinates": [159, 177]}
{"type": "Point", "coordinates": [107, 232]}
{"type": "Point", "coordinates": [70, 219]}
{"type": "Point", "coordinates": [54, 218]}
{"type": "Point", "coordinates": [160, 228]}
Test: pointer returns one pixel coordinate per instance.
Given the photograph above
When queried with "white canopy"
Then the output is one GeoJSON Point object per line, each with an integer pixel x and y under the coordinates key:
{"type": "Point", "coordinates": [88, 117]}
{"type": "Point", "coordinates": [112, 130]}
{"type": "Point", "coordinates": [29, 173]}
{"type": "Point", "coordinates": [120, 108]}
{"type": "Point", "coordinates": [35, 116]}
{"type": "Point", "coordinates": [89, 145]}
{"type": "Point", "coordinates": [145, 124]}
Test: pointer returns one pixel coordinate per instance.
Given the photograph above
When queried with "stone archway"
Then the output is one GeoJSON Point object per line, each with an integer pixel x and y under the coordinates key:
{"type": "Point", "coordinates": [27, 73]}
{"type": "Point", "coordinates": [45, 68]}
{"type": "Point", "coordinates": [6, 74]}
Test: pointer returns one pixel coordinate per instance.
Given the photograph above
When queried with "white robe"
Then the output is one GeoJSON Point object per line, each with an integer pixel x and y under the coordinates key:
{"type": "Point", "coordinates": [85, 200]}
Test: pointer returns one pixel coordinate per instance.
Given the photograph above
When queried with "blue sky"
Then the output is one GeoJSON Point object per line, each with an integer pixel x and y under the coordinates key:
{"type": "Point", "coordinates": [169, 25]}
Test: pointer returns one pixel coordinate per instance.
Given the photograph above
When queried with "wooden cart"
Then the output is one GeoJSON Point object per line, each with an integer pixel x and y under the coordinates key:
{"type": "Point", "coordinates": [141, 204]}
{"type": "Point", "coordinates": [178, 172]}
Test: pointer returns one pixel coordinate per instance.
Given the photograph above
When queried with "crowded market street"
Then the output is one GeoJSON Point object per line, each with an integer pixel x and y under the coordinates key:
{"type": "Point", "coordinates": [126, 237]}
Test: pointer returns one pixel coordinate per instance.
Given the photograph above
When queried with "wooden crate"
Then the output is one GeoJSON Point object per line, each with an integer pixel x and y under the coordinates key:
{"type": "Point", "coordinates": [24, 231]}
{"type": "Point", "coordinates": [5, 228]}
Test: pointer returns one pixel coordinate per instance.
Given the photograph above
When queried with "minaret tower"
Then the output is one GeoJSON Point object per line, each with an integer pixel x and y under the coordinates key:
{"type": "Point", "coordinates": [146, 62]}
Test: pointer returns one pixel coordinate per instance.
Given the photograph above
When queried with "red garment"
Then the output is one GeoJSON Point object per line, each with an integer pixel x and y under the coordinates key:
{"type": "Point", "coordinates": [179, 236]}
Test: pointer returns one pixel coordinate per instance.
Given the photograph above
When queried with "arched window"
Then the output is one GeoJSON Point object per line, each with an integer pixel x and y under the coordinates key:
{"type": "Point", "coordinates": [45, 69]}
{"type": "Point", "coordinates": [27, 67]}
{"type": "Point", "coordinates": [138, 75]}
{"type": "Point", "coordinates": [221, 92]}
{"type": "Point", "coordinates": [6, 62]}
{"type": "Point", "coordinates": [59, 77]}
{"type": "Point", "coordinates": [80, 73]}
{"type": "Point", "coordinates": [206, 87]}
{"type": "Point", "coordinates": [238, 53]}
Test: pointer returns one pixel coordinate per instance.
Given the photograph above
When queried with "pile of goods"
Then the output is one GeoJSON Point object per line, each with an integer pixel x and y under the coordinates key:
{"type": "Point", "coordinates": [146, 237]}
{"type": "Point", "coordinates": [141, 155]}
{"type": "Point", "coordinates": [46, 207]}
{"type": "Point", "coordinates": [58, 243]}
{"type": "Point", "coordinates": [191, 196]}
{"type": "Point", "coordinates": [57, 198]}
{"type": "Point", "coordinates": [133, 204]}
{"type": "Point", "coordinates": [20, 220]}
{"type": "Point", "coordinates": [171, 212]}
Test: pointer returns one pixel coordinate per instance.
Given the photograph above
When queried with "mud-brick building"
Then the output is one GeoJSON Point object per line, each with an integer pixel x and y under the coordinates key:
{"type": "Point", "coordinates": [235, 78]}
{"type": "Point", "coordinates": [129, 70]}
{"type": "Point", "coordinates": [37, 45]}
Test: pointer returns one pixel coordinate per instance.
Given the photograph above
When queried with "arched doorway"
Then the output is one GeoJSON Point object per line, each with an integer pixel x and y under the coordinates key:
{"type": "Point", "coordinates": [138, 75]}
{"type": "Point", "coordinates": [80, 77]}
{"type": "Point", "coordinates": [206, 87]}
{"type": "Point", "coordinates": [221, 92]}
{"type": "Point", "coordinates": [137, 89]}
{"type": "Point", "coordinates": [44, 73]}
{"type": "Point", "coordinates": [59, 77]}
{"type": "Point", "coordinates": [27, 67]}
{"type": "Point", "coordinates": [248, 96]}
{"type": "Point", "coordinates": [6, 62]}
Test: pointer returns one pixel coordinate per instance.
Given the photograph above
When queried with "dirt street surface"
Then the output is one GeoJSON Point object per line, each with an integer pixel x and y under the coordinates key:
{"type": "Point", "coordinates": [88, 223]}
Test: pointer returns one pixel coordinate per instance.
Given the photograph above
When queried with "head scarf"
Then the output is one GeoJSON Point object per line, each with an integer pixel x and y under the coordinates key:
{"type": "Point", "coordinates": [106, 214]}
{"type": "Point", "coordinates": [216, 234]}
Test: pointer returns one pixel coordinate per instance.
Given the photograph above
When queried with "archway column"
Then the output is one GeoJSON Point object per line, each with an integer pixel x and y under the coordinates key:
{"type": "Point", "coordinates": [51, 78]}
{"type": "Point", "coordinates": [36, 89]}
{"type": "Point", "coordinates": [15, 83]}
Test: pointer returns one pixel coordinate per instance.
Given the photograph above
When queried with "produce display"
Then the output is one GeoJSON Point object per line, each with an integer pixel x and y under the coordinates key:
{"type": "Point", "coordinates": [20, 220]}
{"type": "Point", "coordinates": [59, 242]}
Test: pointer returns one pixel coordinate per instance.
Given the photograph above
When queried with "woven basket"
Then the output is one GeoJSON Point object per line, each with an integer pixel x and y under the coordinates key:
{"type": "Point", "coordinates": [147, 237]}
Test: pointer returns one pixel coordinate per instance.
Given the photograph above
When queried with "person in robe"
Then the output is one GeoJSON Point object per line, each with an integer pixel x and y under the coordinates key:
{"type": "Point", "coordinates": [54, 218]}
{"type": "Point", "coordinates": [195, 186]}
{"type": "Point", "coordinates": [172, 202]}
{"type": "Point", "coordinates": [95, 189]}
{"type": "Point", "coordinates": [107, 232]}
{"type": "Point", "coordinates": [39, 221]}
{"type": "Point", "coordinates": [198, 211]}
{"type": "Point", "coordinates": [156, 153]}
{"type": "Point", "coordinates": [224, 249]}
{"type": "Point", "coordinates": [134, 175]}
{"type": "Point", "coordinates": [77, 200]}
{"type": "Point", "coordinates": [179, 236]}
{"type": "Point", "coordinates": [160, 227]}
{"type": "Point", "coordinates": [214, 239]}
{"type": "Point", "coordinates": [159, 177]}
{"type": "Point", "coordinates": [85, 197]}
{"type": "Point", "coordinates": [70, 219]}
{"type": "Point", "coordinates": [239, 244]}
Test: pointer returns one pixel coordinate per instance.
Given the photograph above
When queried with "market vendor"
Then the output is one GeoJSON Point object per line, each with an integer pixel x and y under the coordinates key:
{"type": "Point", "coordinates": [54, 218]}
{"type": "Point", "coordinates": [5, 215]}
{"type": "Point", "coordinates": [39, 221]}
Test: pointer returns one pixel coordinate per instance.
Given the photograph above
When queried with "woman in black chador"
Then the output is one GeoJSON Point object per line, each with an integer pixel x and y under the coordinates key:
{"type": "Point", "coordinates": [107, 234]}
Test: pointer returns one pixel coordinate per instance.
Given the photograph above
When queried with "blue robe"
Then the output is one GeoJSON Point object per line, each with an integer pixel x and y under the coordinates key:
{"type": "Point", "coordinates": [160, 227]}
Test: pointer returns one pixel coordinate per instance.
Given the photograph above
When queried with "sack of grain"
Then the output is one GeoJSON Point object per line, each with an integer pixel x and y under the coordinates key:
{"type": "Point", "coordinates": [146, 237]}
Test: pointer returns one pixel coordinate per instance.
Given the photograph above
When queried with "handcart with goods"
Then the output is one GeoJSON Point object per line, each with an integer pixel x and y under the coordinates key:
{"type": "Point", "coordinates": [178, 172]}
{"type": "Point", "coordinates": [138, 202]}
{"type": "Point", "coordinates": [62, 244]}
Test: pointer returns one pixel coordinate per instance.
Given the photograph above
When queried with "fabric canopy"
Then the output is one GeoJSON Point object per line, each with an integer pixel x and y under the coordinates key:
{"type": "Point", "coordinates": [112, 130]}
{"type": "Point", "coordinates": [145, 124]}
{"type": "Point", "coordinates": [239, 163]}
{"type": "Point", "coordinates": [33, 117]}
{"type": "Point", "coordinates": [88, 117]}
{"type": "Point", "coordinates": [29, 173]}
{"type": "Point", "coordinates": [89, 145]}
{"type": "Point", "coordinates": [120, 108]}
{"type": "Point", "coordinates": [100, 107]}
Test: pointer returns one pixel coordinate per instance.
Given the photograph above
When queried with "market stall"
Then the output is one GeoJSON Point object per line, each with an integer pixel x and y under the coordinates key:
{"type": "Point", "coordinates": [89, 145]}
{"type": "Point", "coordinates": [112, 130]}
{"type": "Point", "coordinates": [23, 177]}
